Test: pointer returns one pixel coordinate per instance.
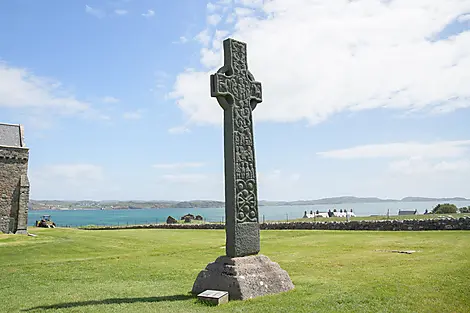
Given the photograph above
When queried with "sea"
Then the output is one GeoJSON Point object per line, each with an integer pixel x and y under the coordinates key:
{"type": "Point", "coordinates": [76, 218]}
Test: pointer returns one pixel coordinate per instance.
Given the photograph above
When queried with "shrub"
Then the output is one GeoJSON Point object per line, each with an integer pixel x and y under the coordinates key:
{"type": "Point", "coordinates": [465, 209]}
{"type": "Point", "coordinates": [445, 208]}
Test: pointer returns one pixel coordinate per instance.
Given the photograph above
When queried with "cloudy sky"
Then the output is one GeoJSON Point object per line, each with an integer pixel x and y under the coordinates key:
{"type": "Point", "coordinates": [363, 97]}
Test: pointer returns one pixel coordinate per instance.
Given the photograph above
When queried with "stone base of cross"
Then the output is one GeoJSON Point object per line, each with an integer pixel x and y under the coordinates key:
{"type": "Point", "coordinates": [241, 272]}
{"type": "Point", "coordinates": [244, 277]}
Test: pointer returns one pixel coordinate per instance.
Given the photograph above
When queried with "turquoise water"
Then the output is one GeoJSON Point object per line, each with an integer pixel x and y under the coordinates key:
{"type": "Point", "coordinates": [147, 216]}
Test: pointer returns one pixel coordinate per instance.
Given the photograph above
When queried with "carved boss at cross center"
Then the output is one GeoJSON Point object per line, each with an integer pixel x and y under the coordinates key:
{"type": "Point", "coordinates": [237, 90]}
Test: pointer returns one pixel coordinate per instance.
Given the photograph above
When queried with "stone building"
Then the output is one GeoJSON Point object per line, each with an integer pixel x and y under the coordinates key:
{"type": "Point", "coordinates": [14, 184]}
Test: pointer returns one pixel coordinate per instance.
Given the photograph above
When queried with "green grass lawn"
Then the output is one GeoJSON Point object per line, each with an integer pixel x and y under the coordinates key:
{"type": "Point", "coordinates": [71, 270]}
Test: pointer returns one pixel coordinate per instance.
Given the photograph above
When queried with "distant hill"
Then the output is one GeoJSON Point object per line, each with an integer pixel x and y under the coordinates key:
{"type": "Point", "coordinates": [339, 200]}
{"type": "Point", "coordinates": [423, 199]}
{"type": "Point", "coordinates": [117, 205]}
{"type": "Point", "coordinates": [351, 199]}
{"type": "Point", "coordinates": [160, 204]}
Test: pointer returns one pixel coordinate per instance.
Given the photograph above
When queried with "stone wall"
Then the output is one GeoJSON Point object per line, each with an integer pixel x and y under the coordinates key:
{"type": "Point", "coordinates": [14, 189]}
{"type": "Point", "coordinates": [386, 225]}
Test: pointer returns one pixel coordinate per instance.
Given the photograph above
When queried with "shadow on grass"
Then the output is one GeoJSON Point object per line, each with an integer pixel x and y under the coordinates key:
{"type": "Point", "coordinates": [111, 301]}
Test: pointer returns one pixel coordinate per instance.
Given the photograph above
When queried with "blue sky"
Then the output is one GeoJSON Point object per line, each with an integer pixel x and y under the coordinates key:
{"type": "Point", "coordinates": [363, 98]}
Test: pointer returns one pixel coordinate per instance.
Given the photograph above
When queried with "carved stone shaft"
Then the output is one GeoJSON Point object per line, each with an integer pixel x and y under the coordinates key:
{"type": "Point", "coordinates": [238, 94]}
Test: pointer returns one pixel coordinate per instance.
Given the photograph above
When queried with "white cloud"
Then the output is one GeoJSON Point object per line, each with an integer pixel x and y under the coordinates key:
{"type": "Point", "coordinates": [71, 173]}
{"type": "Point", "coordinates": [135, 115]}
{"type": "Point", "coordinates": [211, 7]}
{"type": "Point", "coordinates": [203, 37]}
{"type": "Point", "coordinates": [37, 123]}
{"type": "Point", "coordinates": [395, 170]}
{"type": "Point", "coordinates": [420, 166]}
{"type": "Point", "coordinates": [187, 88]}
{"type": "Point", "coordinates": [464, 18]}
{"type": "Point", "coordinates": [218, 37]}
{"type": "Point", "coordinates": [120, 12]}
{"type": "Point", "coordinates": [21, 89]}
{"type": "Point", "coordinates": [70, 181]}
{"type": "Point", "coordinates": [230, 19]}
{"type": "Point", "coordinates": [178, 165]}
{"type": "Point", "coordinates": [181, 40]}
{"type": "Point", "coordinates": [319, 58]}
{"type": "Point", "coordinates": [278, 175]}
{"type": "Point", "coordinates": [210, 57]}
{"type": "Point", "coordinates": [95, 12]}
{"type": "Point", "coordinates": [277, 183]}
{"type": "Point", "coordinates": [243, 12]}
{"type": "Point", "coordinates": [179, 130]}
{"type": "Point", "coordinates": [439, 149]}
{"type": "Point", "coordinates": [109, 99]}
{"type": "Point", "coordinates": [214, 19]}
{"type": "Point", "coordinates": [251, 3]}
{"type": "Point", "coordinates": [149, 13]}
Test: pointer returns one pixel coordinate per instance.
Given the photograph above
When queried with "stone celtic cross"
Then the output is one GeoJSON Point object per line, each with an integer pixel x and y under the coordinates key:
{"type": "Point", "coordinates": [238, 94]}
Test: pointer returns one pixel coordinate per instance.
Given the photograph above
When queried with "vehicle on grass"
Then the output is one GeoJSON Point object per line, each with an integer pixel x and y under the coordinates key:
{"type": "Point", "coordinates": [45, 222]}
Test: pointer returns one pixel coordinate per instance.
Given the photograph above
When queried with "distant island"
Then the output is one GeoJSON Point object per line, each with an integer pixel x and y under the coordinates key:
{"type": "Point", "coordinates": [160, 204]}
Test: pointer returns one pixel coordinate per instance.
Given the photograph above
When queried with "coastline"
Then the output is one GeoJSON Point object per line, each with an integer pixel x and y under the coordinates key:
{"type": "Point", "coordinates": [35, 205]}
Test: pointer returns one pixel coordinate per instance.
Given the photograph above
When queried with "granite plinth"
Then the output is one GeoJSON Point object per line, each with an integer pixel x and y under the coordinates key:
{"type": "Point", "coordinates": [243, 277]}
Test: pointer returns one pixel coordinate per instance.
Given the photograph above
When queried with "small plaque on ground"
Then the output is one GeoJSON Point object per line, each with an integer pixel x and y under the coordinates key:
{"type": "Point", "coordinates": [214, 297]}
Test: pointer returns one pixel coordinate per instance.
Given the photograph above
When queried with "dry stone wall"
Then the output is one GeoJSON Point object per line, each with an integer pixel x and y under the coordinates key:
{"type": "Point", "coordinates": [385, 225]}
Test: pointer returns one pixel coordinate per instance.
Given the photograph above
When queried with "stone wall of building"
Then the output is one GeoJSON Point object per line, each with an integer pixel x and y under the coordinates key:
{"type": "Point", "coordinates": [14, 189]}
{"type": "Point", "coordinates": [386, 225]}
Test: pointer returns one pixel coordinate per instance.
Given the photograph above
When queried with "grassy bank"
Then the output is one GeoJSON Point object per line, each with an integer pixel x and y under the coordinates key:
{"type": "Point", "coordinates": [71, 270]}
{"type": "Point", "coordinates": [379, 218]}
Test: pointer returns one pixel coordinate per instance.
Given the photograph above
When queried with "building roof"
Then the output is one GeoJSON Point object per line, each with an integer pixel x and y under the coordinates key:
{"type": "Point", "coordinates": [11, 135]}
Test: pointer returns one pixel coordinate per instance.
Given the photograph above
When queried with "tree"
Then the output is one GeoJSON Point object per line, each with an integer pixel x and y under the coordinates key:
{"type": "Point", "coordinates": [445, 208]}
{"type": "Point", "coordinates": [465, 209]}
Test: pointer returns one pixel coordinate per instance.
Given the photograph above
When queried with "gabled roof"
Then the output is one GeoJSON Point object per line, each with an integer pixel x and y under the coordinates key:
{"type": "Point", "coordinates": [11, 135]}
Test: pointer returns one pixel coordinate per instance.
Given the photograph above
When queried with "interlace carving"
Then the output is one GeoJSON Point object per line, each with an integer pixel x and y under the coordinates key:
{"type": "Point", "coordinates": [235, 88]}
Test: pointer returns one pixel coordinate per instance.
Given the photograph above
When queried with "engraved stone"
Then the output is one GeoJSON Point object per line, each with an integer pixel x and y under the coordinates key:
{"type": "Point", "coordinates": [238, 94]}
{"type": "Point", "coordinates": [241, 272]}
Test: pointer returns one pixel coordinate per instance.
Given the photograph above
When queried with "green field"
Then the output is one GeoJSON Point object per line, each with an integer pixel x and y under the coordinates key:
{"type": "Point", "coordinates": [71, 270]}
